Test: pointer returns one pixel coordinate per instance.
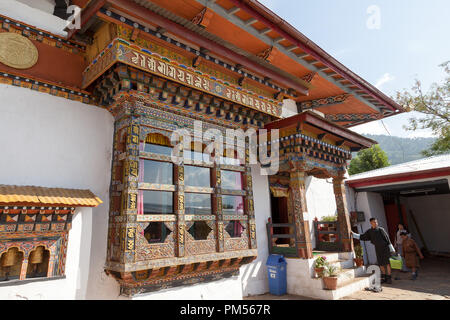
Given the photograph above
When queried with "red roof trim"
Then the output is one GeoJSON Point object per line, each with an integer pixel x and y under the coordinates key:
{"type": "Point", "coordinates": [399, 177]}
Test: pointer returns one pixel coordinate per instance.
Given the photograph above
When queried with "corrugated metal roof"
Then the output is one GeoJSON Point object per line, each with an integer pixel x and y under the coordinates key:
{"type": "Point", "coordinates": [41, 196]}
{"type": "Point", "coordinates": [436, 162]}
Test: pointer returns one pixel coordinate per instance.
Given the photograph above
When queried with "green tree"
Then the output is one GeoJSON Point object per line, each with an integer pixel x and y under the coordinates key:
{"type": "Point", "coordinates": [368, 159]}
{"type": "Point", "coordinates": [434, 106]}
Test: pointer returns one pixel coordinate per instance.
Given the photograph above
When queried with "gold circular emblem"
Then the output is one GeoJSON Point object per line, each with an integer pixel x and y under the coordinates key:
{"type": "Point", "coordinates": [16, 51]}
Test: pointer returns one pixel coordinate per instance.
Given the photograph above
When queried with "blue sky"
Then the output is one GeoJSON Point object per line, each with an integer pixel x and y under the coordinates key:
{"type": "Point", "coordinates": [413, 38]}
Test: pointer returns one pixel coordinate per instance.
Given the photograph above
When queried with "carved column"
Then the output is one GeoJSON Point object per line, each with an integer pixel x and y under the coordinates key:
{"type": "Point", "coordinates": [217, 207]}
{"type": "Point", "coordinates": [179, 210]}
{"type": "Point", "coordinates": [343, 216]}
{"type": "Point", "coordinates": [130, 189]}
{"type": "Point", "coordinates": [297, 197]}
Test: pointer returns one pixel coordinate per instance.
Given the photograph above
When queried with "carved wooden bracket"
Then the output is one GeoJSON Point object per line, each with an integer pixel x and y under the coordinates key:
{"type": "Point", "coordinates": [203, 18]}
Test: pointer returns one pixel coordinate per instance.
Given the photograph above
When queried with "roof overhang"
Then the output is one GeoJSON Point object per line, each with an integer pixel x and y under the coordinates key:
{"type": "Point", "coordinates": [11, 195]}
{"type": "Point", "coordinates": [397, 178]}
{"type": "Point", "coordinates": [327, 127]}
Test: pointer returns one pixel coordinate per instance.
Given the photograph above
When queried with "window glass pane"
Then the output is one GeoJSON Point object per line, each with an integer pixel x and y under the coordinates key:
{"type": "Point", "coordinates": [156, 202]}
{"type": "Point", "coordinates": [233, 205]}
{"type": "Point", "coordinates": [156, 148]}
{"type": "Point", "coordinates": [230, 161]}
{"type": "Point", "coordinates": [157, 172]}
{"type": "Point", "coordinates": [197, 203]}
{"type": "Point", "coordinates": [197, 176]}
{"type": "Point", "coordinates": [197, 156]}
{"type": "Point", "coordinates": [156, 232]}
{"type": "Point", "coordinates": [235, 229]}
{"type": "Point", "coordinates": [200, 230]}
{"type": "Point", "coordinates": [231, 180]}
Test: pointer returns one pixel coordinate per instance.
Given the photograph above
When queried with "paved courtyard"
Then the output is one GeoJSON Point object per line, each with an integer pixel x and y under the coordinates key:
{"type": "Point", "coordinates": [433, 283]}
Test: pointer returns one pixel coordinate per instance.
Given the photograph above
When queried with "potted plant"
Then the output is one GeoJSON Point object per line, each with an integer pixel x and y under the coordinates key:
{"type": "Point", "coordinates": [359, 260]}
{"type": "Point", "coordinates": [319, 265]}
{"type": "Point", "coordinates": [330, 277]}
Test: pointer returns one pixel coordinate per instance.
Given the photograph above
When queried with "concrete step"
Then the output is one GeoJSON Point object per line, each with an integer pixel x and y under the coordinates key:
{"type": "Point", "coordinates": [348, 274]}
{"type": "Point", "coordinates": [342, 264]}
{"type": "Point", "coordinates": [347, 288]}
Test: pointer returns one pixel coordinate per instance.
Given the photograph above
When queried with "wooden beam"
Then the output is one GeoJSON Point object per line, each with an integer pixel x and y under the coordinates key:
{"type": "Point", "coordinates": [87, 13]}
{"type": "Point", "coordinates": [233, 10]}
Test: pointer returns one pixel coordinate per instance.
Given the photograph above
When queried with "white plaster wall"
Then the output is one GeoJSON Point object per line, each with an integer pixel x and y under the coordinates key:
{"type": "Point", "coordinates": [320, 201]}
{"type": "Point", "coordinates": [254, 275]}
{"type": "Point", "coordinates": [54, 142]}
{"type": "Point", "coordinates": [432, 214]}
{"type": "Point", "coordinates": [225, 289]}
{"type": "Point", "coordinates": [372, 205]}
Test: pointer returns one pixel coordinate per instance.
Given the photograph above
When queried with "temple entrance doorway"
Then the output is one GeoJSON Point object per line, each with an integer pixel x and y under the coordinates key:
{"type": "Point", "coordinates": [279, 212]}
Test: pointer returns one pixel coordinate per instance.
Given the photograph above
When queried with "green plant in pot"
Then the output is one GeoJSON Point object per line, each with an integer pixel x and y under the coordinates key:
{"type": "Point", "coordinates": [330, 278]}
{"type": "Point", "coordinates": [319, 265]}
{"type": "Point", "coordinates": [359, 260]}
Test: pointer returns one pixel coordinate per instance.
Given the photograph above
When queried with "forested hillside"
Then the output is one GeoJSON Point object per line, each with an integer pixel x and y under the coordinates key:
{"type": "Point", "coordinates": [401, 150]}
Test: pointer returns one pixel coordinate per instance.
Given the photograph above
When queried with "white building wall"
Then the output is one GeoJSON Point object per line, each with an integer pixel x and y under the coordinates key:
{"type": "Point", "coordinates": [432, 214]}
{"type": "Point", "coordinates": [54, 142]}
{"type": "Point", "coordinates": [254, 275]}
{"type": "Point", "coordinates": [373, 207]}
{"type": "Point", "coordinates": [320, 201]}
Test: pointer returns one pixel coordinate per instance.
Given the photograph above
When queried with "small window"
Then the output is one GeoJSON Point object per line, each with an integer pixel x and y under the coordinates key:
{"type": "Point", "coordinates": [235, 229]}
{"type": "Point", "coordinates": [156, 172]}
{"type": "Point", "coordinates": [233, 205]}
{"type": "Point", "coordinates": [197, 176]}
{"type": "Point", "coordinates": [200, 230]}
{"type": "Point", "coordinates": [156, 202]}
{"type": "Point", "coordinates": [231, 180]}
{"type": "Point", "coordinates": [197, 203]}
{"type": "Point", "coordinates": [156, 232]}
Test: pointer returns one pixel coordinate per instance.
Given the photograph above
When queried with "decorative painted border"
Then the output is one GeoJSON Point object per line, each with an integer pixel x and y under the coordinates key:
{"type": "Point", "coordinates": [53, 89]}
{"type": "Point", "coordinates": [122, 51]}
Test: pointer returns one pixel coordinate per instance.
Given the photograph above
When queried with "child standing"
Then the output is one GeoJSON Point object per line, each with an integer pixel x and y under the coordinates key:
{"type": "Point", "coordinates": [411, 253]}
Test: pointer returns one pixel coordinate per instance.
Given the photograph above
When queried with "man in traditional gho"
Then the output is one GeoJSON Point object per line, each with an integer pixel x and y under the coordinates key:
{"type": "Point", "coordinates": [383, 248]}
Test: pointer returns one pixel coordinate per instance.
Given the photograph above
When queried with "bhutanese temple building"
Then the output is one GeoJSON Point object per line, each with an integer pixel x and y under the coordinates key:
{"type": "Point", "coordinates": [92, 205]}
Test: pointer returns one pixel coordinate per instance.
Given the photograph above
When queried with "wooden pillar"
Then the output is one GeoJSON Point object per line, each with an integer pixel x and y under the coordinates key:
{"type": "Point", "coordinates": [297, 197]}
{"type": "Point", "coordinates": [343, 215]}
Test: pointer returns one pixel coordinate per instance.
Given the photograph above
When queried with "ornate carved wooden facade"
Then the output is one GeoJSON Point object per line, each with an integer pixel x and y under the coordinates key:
{"type": "Point", "coordinates": [146, 99]}
{"type": "Point", "coordinates": [311, 145]}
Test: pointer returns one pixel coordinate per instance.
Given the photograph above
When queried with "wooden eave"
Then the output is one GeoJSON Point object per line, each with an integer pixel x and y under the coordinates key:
{"type": "Point", "coordinates": [310, 118]}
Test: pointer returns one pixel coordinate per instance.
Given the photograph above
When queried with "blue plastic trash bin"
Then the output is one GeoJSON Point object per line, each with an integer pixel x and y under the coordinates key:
{"type": "Point", "coordinates": [276, 272]}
